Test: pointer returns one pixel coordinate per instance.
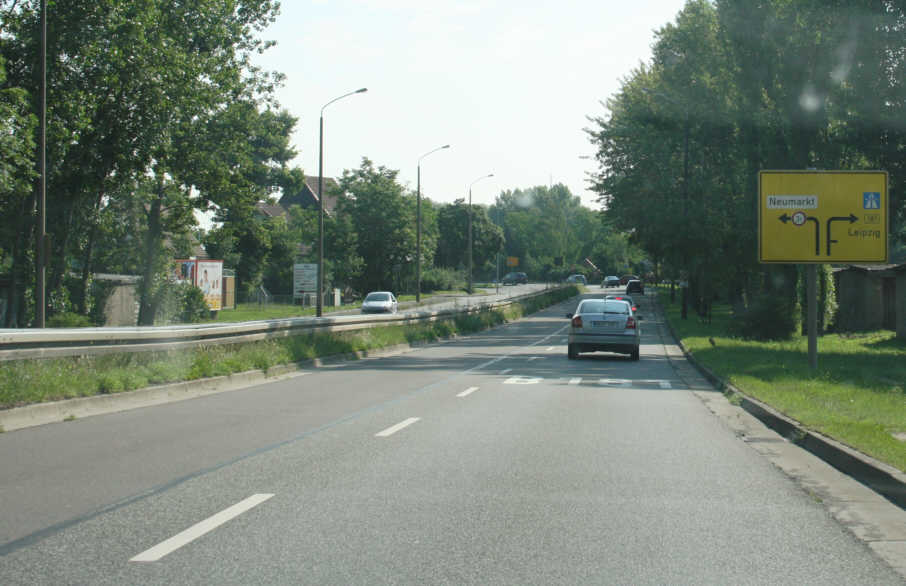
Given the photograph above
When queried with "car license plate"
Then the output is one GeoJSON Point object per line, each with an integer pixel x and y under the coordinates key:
{"type": "Point", "coordinates": [610, 325]}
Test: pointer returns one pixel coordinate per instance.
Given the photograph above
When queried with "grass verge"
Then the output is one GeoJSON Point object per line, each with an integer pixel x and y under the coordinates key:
{"type": "Point", "coordinates": [856, 395]}
{"type": "Point", "coordinates": [23, 382]}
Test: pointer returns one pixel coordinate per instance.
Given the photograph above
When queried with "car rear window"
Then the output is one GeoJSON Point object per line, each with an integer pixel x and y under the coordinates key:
{"type": "Point", "coordinates": [604, 307]}
{"type": "Point", "coordinates": [378, 297]}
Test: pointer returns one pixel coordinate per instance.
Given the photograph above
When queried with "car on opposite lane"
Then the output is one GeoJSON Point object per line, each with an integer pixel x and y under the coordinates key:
{"type": "Point", "coordinates": [577, 279]}
{"type": "Point", "coordinates": [608, 325]}
{"type": "Point", "coordinates": [380, 302]}
{"type": "Point", "coordinates": [611, 281]}
{"type": "Point", "coordinates": [514, 279]}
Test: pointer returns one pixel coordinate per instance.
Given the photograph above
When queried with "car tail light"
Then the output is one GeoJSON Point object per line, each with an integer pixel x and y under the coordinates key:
{"type": "Point", "coordinates": [630, 323]}
{"type": "Point", "coordinates": [577, 321]}
{"type": "Point", "coordinates": [634, 308]}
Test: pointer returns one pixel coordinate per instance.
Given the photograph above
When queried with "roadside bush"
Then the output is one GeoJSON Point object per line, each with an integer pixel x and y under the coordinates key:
{"type": "Point", "coordinates": [194, 308]}
{"type": "Point", "coordinates": [442, 279]}
{"type": "Point", "coordinates": [68, 319]}
{"type": "Point", "coordinates": [770, 317]}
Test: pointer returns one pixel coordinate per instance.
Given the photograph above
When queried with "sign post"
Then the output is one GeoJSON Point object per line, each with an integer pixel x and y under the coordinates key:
{"type": "Point", "coordinates": [819, 217]}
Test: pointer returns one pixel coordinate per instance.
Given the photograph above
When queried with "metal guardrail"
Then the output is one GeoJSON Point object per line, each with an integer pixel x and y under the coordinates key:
{"type": "Point", "coordinates": [60, 342]}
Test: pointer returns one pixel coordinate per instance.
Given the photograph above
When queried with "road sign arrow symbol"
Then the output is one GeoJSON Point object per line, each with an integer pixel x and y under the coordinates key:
{"type": "Point", "coordinates": [784, 218]}
{"type": "Point", "coordinates": [851, 218]}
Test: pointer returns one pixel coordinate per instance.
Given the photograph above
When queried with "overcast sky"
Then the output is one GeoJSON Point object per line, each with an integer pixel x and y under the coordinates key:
{"type": "Point", "coordinates": [508, 84]}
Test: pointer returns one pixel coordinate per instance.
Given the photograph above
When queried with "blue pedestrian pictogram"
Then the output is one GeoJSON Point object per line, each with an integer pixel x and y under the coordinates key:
{"type": "Point", "coordinates": [871, 200]}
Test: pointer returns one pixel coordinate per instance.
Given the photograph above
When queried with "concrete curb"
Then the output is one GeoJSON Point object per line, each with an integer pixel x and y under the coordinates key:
{"type": "Point", "coordinates": [880, 477]}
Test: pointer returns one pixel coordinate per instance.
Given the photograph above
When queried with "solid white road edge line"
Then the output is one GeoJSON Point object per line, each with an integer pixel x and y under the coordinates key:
{"type": "Point", "coordinates": [551, 348]}
{"type": "Point", "coordinates": [395, 428]}
{"type": "Point", "coordinates": [506, 371]}
{"type": "Point", "coordinates": [575, 381]}
{"type": "Point", "coordinates": [195, 531]}
{"type": "Point", "coordinates": [467, 392]}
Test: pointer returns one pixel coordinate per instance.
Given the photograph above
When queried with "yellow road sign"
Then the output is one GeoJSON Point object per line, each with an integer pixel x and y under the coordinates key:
{"type": "Point", "coordinates": [512, 261]}
{"type": "Point", "coordinates": [822, 217]}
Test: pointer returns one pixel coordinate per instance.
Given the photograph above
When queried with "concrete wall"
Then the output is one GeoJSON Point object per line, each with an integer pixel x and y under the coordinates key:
{"type": "Point", "coordinates": [122, 306]}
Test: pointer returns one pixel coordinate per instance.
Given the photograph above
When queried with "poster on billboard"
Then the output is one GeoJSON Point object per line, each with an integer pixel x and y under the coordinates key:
{"type": "Point", "coordinates": [184, 271]}
{"type": "Point", "coordinates": [209, 275]}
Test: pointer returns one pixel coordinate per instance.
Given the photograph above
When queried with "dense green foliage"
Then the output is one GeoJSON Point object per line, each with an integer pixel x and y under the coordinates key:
{"type": "Point", "coordinates": [735, 87]}
{"type": "Point", "coordinates": [157, 113]}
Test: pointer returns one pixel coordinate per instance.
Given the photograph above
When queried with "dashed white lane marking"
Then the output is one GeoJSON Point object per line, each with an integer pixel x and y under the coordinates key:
{"type": "Point", "coordinates": [535, 358]}
{"type": "Point", "coordinates": [195, 531]}
{"type": "Point", "coordinates": [575, 381]}
{"type": "Point", "coordinates": [467, 392]}
{"type": "Point", "coordinates": [395, 428]}
{"type": "Point", "coordinates": [506, 371]}
{"type": "Point", "coordinates": [664, 384]}
{"type": "Point", "coordinates": [550, 348]}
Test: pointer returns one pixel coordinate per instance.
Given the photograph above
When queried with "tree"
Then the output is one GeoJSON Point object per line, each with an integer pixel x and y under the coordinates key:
{"type": "Point", "coordinates": [131, 82]}
{"type": "Point", "coordinates": [453, 243]}
{"type": "Point", "coordinates": [16, 174]}
{"type": "Point", "coordinates": [383, 219]}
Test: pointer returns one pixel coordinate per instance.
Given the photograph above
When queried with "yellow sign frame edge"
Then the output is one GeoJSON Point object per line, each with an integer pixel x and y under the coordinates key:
{"type": "Point", "coordinates": [824, 172]}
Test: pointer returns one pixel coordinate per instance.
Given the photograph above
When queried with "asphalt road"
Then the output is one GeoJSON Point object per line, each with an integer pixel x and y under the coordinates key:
{"type": "Point", "coordinates": [490, 459]}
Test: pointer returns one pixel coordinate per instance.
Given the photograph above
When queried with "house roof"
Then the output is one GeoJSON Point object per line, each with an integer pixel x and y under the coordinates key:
{"type": "Point", "coordinates": [330, 187]}
{"type": "Point", "coordinates": [307, 197]}
{"type": "Point", "coordinates": [271, 210]}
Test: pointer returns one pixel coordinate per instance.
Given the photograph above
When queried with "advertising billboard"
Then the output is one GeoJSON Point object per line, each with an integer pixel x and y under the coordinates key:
{"type": "Point", "coordinates": [207, 275]}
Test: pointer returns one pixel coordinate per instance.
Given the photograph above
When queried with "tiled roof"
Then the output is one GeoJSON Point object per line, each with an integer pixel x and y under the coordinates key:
{"type": "Point", "coordinates": [270, 210]}
{"type": "Point", "coordinates": [330, 186]}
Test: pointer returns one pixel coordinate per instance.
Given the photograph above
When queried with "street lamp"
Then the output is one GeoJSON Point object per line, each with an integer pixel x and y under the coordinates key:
{"type": "Point", "coordinates": [685, 253]}
{"type": "Point", "coordinates": [418, 225]}
{"type": "Point", "coordinates": [499, 221]}
{"type": "Point", "coordinates": [470, 226]}
{"type": "Point", "coordinates": [321, 200]}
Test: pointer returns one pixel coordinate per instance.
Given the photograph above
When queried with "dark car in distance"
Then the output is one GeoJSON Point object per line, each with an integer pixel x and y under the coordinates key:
{"type": "Point", "coordinates": [626, 278]}
{"type": "Point", "coordinates": [514, 279]}
{"type": "Point", "coordinates": [635, 286]}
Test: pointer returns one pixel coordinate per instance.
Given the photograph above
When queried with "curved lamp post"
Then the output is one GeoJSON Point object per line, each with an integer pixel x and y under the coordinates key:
{"type": "Point", "coordinates": [321, 200]}
{"type": "Point", "coordinates": [470, 226]}
{"type": "Point", "coordinates": [418, 225]}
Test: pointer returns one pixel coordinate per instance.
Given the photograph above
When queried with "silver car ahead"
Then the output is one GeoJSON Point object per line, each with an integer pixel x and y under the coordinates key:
{"type": "Point", "coordinates": [604, 324]}
{"type": "Point", "coordinates": [379, 302]}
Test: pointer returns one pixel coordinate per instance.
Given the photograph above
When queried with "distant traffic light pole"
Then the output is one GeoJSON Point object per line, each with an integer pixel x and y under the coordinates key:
{"type": "Point", "coordinates": [470, 226]}
{"type": "Point", "coordinates": [321, 200]}
{"type": "Point", "coordinates": [418, 225]}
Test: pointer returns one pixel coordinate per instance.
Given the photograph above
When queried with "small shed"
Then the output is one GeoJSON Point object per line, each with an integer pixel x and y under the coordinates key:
{"type": "Point", "coordinates": [871, 297]}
